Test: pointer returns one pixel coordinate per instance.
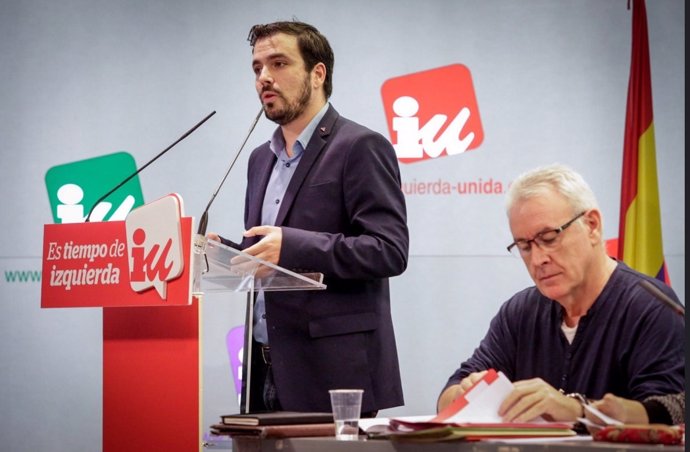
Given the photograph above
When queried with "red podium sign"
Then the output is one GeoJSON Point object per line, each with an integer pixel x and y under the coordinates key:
{"type": "Point", "coordinates": [113, 264]}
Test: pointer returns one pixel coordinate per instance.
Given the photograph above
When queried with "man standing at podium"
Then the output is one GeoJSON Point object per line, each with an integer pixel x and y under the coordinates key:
{"type": "Point", "coordinates": [323, 195]}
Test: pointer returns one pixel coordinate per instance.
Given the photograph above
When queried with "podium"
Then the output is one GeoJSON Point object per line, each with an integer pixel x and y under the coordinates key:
{"type": "Point", "coordinates": [220, 268]}
{"type": "Point", "coordinates": [149, 279]}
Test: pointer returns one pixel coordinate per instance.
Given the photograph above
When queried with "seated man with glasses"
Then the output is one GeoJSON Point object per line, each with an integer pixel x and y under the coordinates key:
{"type": "Point", "coordinates": [587, 327]}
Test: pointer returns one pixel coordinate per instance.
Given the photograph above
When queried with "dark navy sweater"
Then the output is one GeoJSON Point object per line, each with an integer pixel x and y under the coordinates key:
{"type": "Point", "coordinates": [628, 343]}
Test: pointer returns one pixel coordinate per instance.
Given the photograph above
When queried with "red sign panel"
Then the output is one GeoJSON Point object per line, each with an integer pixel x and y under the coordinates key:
{"type": "Point", "coordinates": [90, 265]}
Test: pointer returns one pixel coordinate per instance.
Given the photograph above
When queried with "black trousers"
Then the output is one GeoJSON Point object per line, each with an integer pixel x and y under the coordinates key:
{"type": "Point", "coordinates": [262, 391]}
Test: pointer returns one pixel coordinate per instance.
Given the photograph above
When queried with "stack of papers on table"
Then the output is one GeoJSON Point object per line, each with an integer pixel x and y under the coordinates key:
{"type": "Point", "coordinates": [472, 416]}
{"type": "Point", "coordinates": [400, 429]}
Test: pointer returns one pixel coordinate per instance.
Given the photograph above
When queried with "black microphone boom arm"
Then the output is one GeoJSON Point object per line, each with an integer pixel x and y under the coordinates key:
{"type": "Point", "coordinates": [203, 221]}
{"type": "Point", "coordinates": [186, 134]}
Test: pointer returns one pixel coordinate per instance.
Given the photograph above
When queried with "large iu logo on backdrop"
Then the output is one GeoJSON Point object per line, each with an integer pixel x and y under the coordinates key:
{"type": "Point", "coordinates": [73, 188]}
{"type": "Point", "coordinates": [432, 113]}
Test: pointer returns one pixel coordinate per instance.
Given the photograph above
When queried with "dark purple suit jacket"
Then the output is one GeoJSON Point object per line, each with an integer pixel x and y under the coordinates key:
{"type": "Point", "coordinates": [343, 215]}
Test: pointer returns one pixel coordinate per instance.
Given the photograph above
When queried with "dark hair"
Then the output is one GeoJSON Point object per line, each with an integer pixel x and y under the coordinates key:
{"type": "Point", "coordinates": [313, 46]}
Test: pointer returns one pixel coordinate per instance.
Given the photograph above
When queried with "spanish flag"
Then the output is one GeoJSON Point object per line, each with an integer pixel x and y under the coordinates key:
{"type": "Point", "coordinates": [639, 237]}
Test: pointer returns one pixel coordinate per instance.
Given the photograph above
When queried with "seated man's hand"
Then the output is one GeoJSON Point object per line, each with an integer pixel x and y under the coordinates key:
{"type": "Point", "coordinates": [533, 398]}
{"type": "Point", "coordinates": [452, 392]}
{"type": "Point", "coordinates": [624, 410]}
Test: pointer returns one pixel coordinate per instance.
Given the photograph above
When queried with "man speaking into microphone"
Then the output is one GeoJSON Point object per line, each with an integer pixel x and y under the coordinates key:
{"type": "Point", "coordinates": [323, 195]}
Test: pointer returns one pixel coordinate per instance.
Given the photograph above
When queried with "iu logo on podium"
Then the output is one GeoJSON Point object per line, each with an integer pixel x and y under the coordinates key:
{"type": "Point", "coordinates": [154, 239]}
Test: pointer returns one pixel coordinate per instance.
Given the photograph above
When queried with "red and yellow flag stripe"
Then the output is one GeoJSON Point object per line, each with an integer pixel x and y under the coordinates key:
{"type": "Point", "coordinates": [640, 239]}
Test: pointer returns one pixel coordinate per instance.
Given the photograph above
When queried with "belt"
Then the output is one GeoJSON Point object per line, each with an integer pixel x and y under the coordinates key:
{"type": "Point", "coordinates": [266, 354]}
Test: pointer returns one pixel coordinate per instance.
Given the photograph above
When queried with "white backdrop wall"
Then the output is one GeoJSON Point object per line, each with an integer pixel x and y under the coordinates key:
{"type": "Point", "coordinates": [85, 78]}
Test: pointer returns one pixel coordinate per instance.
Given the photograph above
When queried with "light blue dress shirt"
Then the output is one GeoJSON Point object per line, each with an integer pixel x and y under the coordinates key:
{"type": "Point", "coordinates": [282, 172]}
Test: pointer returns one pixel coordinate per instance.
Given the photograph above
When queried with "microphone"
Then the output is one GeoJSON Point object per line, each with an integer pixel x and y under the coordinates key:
{"type": "Point", "coordinates": [203, 221]}
{"type": "Point", "coordinates": [186, 134]}
{"type": "Point", "coordinates": [200, 241]}
{"type": "Point", "coordinates": [659, 295]}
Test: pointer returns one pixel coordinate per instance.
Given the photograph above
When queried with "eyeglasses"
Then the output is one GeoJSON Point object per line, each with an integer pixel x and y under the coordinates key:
{"type": "Point", "coordinates": [546, 240]}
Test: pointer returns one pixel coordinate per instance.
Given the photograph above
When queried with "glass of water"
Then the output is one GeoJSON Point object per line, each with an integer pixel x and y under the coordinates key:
{"type": "Point", "coordinates": [347, 406]}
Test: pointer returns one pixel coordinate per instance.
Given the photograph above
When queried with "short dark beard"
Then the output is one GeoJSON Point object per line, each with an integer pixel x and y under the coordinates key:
{"type": "Point", "coordinates": [292, 110]}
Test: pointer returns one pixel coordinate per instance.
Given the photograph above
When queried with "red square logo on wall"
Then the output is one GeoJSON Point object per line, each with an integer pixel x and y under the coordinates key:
{"type": "Point", "coordinates": [432, 113]}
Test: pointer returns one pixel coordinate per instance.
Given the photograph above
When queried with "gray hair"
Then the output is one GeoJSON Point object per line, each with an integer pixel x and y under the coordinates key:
{"type": "Point", "coordinates": [556, 177]}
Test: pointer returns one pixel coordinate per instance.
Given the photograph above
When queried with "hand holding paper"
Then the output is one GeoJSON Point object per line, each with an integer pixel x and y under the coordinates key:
{"type": "Point", "coordinates": [475, 415]}
{"type": "Point", "coordinates": [480, 403]}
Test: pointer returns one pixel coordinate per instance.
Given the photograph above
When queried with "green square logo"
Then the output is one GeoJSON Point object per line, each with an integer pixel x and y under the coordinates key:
{"type": "Point", "coordinates": [73, 188]}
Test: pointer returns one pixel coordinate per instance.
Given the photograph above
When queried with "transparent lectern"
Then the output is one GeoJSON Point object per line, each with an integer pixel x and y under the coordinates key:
{"type": "Point", "coordinates": [220, 268]}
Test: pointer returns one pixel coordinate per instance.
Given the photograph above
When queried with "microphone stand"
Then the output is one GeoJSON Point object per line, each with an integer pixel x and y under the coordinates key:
{"type": "Point", "coordinates": [203, 221]}
{"type": "Point", "coordinates": [186, 134]}
{"type": "Point", "coordinates": [200, 239]}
